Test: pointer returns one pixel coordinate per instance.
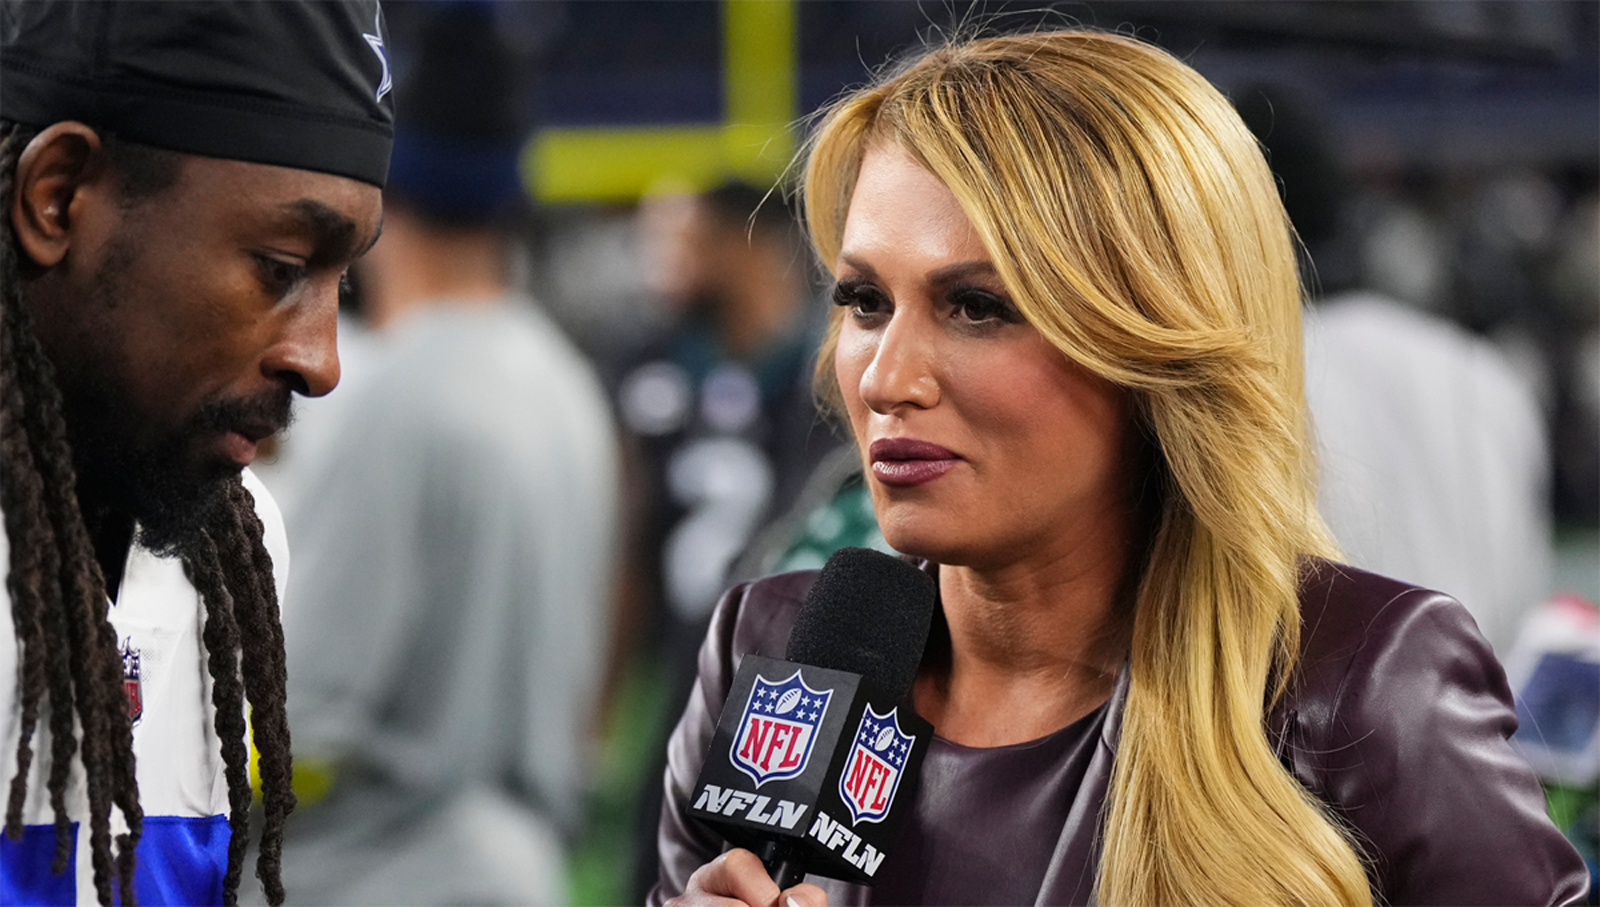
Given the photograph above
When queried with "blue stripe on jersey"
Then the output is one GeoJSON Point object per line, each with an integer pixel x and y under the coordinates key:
{"type": "Point", "coordinates": [25, 876]}
{"type": "Point", "coordinates": [180, 860]}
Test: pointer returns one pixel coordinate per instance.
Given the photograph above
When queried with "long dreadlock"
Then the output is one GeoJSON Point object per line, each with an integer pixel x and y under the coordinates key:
{"type": "Point", "coordinates": [69, 655]}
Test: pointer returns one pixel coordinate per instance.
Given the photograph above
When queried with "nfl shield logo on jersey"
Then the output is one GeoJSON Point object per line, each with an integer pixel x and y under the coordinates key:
{"type": "Point", "coordinates": [872, 770]}
{"type": "Point", "coordinates": [130, 681]}
{"type": "Point", "coordinates": [777, 728]}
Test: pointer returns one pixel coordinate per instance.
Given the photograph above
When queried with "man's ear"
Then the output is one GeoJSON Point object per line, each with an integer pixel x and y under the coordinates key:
{"type": "Point", "coordinates": [51, 172]}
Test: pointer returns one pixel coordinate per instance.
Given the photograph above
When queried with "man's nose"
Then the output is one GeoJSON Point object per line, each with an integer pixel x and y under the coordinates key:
{"type": "Point", "coordinates": [306, 354]}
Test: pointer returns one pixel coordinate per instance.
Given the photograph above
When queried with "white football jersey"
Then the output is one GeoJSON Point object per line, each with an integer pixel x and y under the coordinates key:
{"type": "Point", "coordinates": [183, 852]}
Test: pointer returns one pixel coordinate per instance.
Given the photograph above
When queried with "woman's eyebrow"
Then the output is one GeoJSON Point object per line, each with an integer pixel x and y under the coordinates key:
{"type": "Point", "coordinates": [939, 277]}
{"type": "Point", "coordinates": [961, 270]}
{"type": "Point", "coordinates": [858, 264]}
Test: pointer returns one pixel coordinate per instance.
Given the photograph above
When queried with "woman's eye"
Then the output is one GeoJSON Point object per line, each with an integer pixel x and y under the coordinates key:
{"type": "Point", "coordinates": [862, 300]}
{"type": "Point", "coordinates": [981, 306]}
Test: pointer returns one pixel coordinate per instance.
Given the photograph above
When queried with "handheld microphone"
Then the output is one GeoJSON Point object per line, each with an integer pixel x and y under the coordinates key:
{"type": "Point", "coordinates": [813, 753]}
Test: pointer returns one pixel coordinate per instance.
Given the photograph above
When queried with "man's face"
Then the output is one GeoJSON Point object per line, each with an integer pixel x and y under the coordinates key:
{"type": "Point", "coordinates": [685, 251]}
{"type": "Point", "coordinates": [181, 325]}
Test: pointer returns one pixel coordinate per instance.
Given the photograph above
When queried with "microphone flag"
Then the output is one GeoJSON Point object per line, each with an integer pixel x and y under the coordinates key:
{"type": "Point", "coordinates": [815, 760]}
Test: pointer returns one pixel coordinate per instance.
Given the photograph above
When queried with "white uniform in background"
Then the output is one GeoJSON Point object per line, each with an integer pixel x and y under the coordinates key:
{"type": "Point", "coordinates": [1434, 458]}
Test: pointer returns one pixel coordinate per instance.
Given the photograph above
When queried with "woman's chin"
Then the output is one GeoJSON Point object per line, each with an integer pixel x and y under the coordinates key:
{"type": "Point", "coordinates": [923, 538]}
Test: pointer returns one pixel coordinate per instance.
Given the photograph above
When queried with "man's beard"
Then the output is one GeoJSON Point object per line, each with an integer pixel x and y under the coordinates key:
{"type": "Point", "coordinates": [164, 487]}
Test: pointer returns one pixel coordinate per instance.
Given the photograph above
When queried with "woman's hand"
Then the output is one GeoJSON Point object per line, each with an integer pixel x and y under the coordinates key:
{"type": "Point", "coordinates": [737, 877]}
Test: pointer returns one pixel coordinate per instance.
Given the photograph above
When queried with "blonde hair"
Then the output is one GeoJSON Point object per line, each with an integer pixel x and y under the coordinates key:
{"type": "Point", "coordinates": [1131, 216]}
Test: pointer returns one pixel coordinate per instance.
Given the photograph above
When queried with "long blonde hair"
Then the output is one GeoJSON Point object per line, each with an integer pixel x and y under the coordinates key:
{"type": "Point", "coordinates": [1131, 216]}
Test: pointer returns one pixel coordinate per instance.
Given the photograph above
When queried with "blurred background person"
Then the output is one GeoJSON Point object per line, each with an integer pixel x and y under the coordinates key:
{"type": "Point", "coordinates": [1434, 462]}
{"type": "Point", "coordinates": [448, 622]}
{"type": "Point", "coordinates": [718, 408]}
{"type": "Point", "coordinates": [719, 416]}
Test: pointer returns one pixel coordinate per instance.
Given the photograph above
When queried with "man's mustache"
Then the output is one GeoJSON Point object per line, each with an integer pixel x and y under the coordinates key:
{"type": "Point", "coordinates": [254, 417]}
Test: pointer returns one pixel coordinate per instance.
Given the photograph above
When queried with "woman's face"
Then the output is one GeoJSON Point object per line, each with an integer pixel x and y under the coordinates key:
{"type": "Point", "coordinates": [983, 444]}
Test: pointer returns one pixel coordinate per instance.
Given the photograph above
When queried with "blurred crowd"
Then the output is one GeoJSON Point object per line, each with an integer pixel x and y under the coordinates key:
{"type": "Point", "coordinates": [562, 432]}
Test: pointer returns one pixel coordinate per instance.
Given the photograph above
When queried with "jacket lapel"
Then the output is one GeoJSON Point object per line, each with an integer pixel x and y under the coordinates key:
{"type": "Point", "coordinates": [1074, 864]}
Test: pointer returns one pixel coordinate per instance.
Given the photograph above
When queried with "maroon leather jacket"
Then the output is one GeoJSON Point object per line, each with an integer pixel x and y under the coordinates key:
{"type": "Point", "coordinates": [1398, 719]}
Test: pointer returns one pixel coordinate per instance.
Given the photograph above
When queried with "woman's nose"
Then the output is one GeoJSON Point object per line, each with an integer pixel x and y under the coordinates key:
{"type": "Point", "coordinates": [904, 367]}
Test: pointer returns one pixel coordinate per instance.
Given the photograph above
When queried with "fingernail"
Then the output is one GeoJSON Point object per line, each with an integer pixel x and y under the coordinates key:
{"type": "Point", "coordinates": [793, 903]}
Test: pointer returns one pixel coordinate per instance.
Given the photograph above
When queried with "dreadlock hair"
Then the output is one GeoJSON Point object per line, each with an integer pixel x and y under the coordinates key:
{"type": "Point", "coordinates": [69, 655]}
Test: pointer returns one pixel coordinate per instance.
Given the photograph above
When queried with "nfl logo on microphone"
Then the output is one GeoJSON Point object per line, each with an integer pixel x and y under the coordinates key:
{"type": "Point", "coordinates": [873, 769]}
{"type": "Point", "coordinates": [778, 728]}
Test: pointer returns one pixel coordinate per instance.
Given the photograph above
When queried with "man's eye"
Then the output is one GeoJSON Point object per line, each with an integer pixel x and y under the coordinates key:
{"type": "Point", "coordinates": [279, 276]}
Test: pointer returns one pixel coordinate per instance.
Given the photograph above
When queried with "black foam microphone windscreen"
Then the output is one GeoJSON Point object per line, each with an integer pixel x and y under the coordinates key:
{"type": "Point", "coordinates": [868, 613]}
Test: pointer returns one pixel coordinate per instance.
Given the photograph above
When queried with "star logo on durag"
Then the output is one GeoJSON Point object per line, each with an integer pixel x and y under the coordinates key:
{"type": "Point", "coordinates": [375, 41]}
